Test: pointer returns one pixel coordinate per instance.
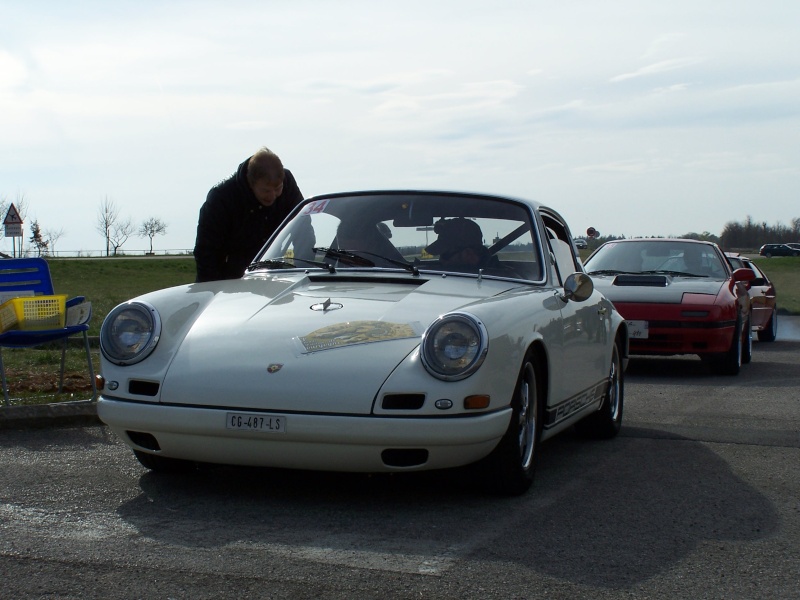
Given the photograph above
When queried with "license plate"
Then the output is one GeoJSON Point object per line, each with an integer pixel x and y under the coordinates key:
{"type": "Point", "coordinates": [638, 330]}
{"type": "Point", "coordinates": [256, 422]}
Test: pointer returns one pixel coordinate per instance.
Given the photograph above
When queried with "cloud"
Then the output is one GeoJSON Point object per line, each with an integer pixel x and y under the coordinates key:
{"type": "Point", "coordinates": [12, 71]}
{"type": "Point", "coordinates": [663, 42]}
{"type": "Point", "coordinates": [656, 68]}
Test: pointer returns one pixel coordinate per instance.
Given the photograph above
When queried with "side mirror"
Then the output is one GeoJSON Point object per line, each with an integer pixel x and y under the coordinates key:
{"type": "Point", "coordinates": [743, 274]}
{"type": "Point", "coordinates": [577, 287]}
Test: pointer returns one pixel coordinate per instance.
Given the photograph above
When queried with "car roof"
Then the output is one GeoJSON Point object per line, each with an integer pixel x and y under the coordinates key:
{"type": "Point", "coordinates": [446, 193]}
{"type": "Point", "coordinates": [665, 240]}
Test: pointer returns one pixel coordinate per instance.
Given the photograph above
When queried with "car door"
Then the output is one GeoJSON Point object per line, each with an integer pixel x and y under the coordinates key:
{"type": "Point", "coordinates": [762, 297]}
{"type": "Point", "coordinates": [586, 326]}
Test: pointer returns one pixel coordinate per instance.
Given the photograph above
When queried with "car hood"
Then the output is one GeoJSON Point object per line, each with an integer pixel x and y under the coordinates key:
{"type": "Point", "coordinates": [658, 289]}
{"type": "Point", "coordinates": [302, 343]}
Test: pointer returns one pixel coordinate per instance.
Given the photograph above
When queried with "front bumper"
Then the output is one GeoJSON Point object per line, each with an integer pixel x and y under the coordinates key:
{"type": "Point", "coordinates": [683, 338]}
{"type": "Point", "coordinates": [311, 441]}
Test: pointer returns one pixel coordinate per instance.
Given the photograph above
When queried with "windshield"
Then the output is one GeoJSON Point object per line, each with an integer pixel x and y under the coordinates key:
{"type": "Point", "coordinates": [668, 257]}
{"type": "Point", "coordinates": [409, 231]}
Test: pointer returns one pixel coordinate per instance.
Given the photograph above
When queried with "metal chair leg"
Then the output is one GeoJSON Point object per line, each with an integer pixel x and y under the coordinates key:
{"type": "Point", "coordinates": [63, 361]}
{"type": "Point", "coordinates": [5, 384]}
{"type": "Point", "coordinates": [91, 366]}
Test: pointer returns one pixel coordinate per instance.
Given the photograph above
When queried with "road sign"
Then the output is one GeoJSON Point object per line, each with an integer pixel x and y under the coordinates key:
{"type": "Point", "coordinates": [12, 217]}
{"type": "Point", "coordinates": [14, 230]}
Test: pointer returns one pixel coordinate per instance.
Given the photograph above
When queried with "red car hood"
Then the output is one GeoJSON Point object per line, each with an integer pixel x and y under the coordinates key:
{"type": "Point", "coordinates": [656, 289]}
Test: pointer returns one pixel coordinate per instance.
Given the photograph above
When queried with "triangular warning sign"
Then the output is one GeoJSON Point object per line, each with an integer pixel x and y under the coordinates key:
{"type": "Point", "coordinates": [12, 216]}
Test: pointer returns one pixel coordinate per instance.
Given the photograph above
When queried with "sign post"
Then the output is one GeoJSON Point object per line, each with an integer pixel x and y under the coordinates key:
{"type": "Point", "coordinates": [13, 228]}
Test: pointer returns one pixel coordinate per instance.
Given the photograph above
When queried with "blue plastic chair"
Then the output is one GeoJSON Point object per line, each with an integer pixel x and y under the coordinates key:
{"type": "Point", "coordinates": [33, 275]}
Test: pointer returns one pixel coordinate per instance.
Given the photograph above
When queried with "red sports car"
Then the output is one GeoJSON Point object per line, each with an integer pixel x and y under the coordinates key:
{"type": "Point", "coordinates": [763, 299]}
{"type": "Point", "coordinates": [679, 297]}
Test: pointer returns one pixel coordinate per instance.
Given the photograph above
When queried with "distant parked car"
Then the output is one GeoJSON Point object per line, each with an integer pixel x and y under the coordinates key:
{"type": "Point", "coordinates": [581, 244]}
{"type": "Point", "coordinates": [763, 299]}
{"type": "Point", "coordinates": [770, 250]}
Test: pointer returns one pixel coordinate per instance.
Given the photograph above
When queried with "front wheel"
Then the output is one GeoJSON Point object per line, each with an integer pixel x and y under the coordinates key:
{"type": "Point", "coordinates": [509, 469]}
{"type": "Point", "coordinates": [770, 332]}
{"type": "Point", "coordinates": [730, 362]}
{"type": "Point", "coordinates": [605, 423]}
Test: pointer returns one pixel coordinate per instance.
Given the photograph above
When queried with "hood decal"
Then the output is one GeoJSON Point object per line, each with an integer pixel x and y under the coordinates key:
{"type": "Point", "coordinates": [356, 332]}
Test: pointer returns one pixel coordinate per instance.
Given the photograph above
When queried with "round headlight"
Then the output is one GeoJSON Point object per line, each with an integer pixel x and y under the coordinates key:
{"type": "Point", "coordinates": [454, 346]}
{"type": "Point", "coordinates": [130, 333]}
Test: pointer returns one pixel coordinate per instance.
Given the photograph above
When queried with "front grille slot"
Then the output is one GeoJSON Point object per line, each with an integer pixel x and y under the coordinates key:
{"type": "Point", "coordinates": [397, 457]}
{"type": "Point", "coordinates": [143, 440]}
{"type": "Point", "coordinates": [403, 401]}
{"type": "Point", "coordinates": [143, 388]}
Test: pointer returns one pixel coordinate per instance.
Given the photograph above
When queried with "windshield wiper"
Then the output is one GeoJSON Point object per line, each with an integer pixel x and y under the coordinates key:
{"type": "Point", "coordinates": [281, 263]}
{"type": "Point", "coordinates": [613, 272]}
{"type": "Point", "coordinates": [673, 273]}
{"type": "Point", "coordinates": [359, 260]}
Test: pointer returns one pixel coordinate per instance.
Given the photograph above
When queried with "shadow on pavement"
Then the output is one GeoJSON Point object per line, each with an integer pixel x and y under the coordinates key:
{"type": "Point", "coordinates": [607, 514]}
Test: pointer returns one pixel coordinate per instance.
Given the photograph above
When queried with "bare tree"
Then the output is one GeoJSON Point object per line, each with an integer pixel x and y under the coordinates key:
{"type": "Point", "coordinates": [53, 235]}
{"type": "Point", "coordinates": [151, 228]}
{"type": "Point", "coordinates": [107, 217]}
{"type": "Point", "coordinates": [121, 230]}
{"type": "Point", "coordinates": [4, 204]}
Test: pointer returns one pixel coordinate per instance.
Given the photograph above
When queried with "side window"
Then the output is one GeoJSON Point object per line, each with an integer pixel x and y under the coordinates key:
{"type": "Point", "coordinates": [561, 248]}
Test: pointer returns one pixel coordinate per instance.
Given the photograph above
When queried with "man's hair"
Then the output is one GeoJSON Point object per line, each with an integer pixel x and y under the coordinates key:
{"type": "Point", "coordinates": [264, 165]}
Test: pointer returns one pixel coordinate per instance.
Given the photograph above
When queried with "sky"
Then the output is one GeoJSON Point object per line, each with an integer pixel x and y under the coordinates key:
{"type": "Point", "coordinates": [634, 117]}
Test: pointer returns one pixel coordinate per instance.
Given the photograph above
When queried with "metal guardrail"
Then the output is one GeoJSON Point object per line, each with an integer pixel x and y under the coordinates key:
{"type": "Point", "coordinates": [172, 253]}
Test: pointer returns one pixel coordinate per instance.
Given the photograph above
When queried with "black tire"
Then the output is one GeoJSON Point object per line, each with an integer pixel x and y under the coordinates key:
{"type": "Point", "coordinates": [770, 332]}
{"type": "Point", "coordinates": [163, 464]}
{"type": "Point", "coordinates": [730, 362]}
{"type": "Point", "coordinates": [747, 343]}
{"type": "Point", "coordinates": [606, 422]}
{"type": "Point", "coordinates": [510, 468]}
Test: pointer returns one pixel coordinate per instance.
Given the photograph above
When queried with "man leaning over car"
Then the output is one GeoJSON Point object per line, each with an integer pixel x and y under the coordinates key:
{"type": "Point", "coordinates": [241, 213]}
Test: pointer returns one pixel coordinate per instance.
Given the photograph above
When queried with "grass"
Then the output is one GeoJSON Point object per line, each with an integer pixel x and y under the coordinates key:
{"type": "Point", "coordinates": [107, 282]}
{"type": "Point", "coordinates": [33, 373]}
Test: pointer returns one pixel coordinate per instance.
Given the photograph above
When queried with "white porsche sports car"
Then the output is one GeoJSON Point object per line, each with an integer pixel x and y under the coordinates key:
{"type": "Point", "coordinates": [380, 331]}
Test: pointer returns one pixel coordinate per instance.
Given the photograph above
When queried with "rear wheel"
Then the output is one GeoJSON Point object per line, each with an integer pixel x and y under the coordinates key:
{"type": "Point", "coordinates": [770, 332]}
{"type": "Point", "coordinates": [509, 469]}
{"type": "Point", "coordinates": [163, 464]}
{"type": "Point", "coordinates": [747, 343]}
{"type": "Point", "coordinates": [606, 422]}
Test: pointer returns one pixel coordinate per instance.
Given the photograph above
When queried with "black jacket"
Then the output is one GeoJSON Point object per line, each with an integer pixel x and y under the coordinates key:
{"type": "Point", "coordinates": [233, 225]}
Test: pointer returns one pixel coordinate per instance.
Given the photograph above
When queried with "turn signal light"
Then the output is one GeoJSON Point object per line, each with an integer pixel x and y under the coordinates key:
{"type": "Point", "coordinates": [476, 402]}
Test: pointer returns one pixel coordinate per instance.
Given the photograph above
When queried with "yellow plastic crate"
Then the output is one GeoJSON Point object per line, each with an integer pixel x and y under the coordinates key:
{"type": "Point", "coordinates": [8, 316]}
{"type": "Point", "coordinates": [34, 313]}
